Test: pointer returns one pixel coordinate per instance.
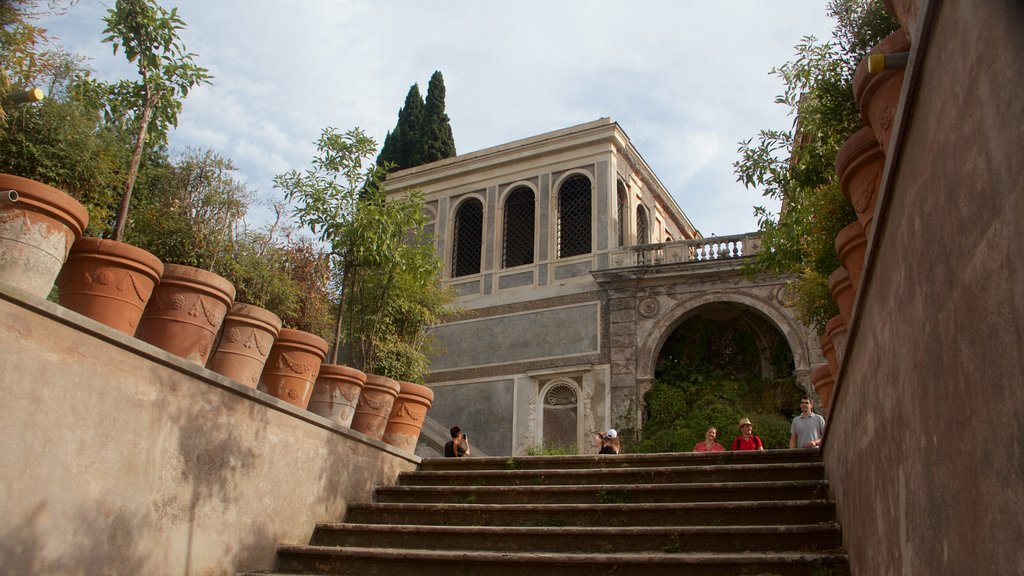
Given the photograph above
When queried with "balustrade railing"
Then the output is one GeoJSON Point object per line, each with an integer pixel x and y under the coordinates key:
{"type": "Point", "coordinates": [679, 251]}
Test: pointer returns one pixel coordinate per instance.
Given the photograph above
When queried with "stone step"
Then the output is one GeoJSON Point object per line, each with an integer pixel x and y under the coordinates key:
{"type": "Point", "coordinates": [814, 470]}
{"type": "Point", "coordinates": [606, 493]}
{"type": "Point", "coordinates": [418, 562]}
{"type": "Point", "coordinates": [820, 538]}
{"type": "Point", "coordinates": [761, 513]}
{"type": "Point", "coordinates": [594, 462]}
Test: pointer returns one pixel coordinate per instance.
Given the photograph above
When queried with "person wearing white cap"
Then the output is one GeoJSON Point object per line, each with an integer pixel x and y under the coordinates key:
{"type": "Point", "coordinates": [608, 443]}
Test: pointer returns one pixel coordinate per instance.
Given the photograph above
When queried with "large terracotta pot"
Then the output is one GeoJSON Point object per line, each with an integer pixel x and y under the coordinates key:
{"type": "Point", "coordinates": [829, 351]}
{"type": "Point", "coordinates": [842, 292]}
{"type": "Point", "coordinates": [109, 281]}
{"type": "Point", "coordinates": [905, 11]}
{"type": "Point", "coordinates": [821, 379]}
{"type": "Point", "coordinates": [878, 95]}
{"type": "Point", "coordinates": [38, 225]}
{"type": "Point", "coordinates": [374, 406]}
{"type": "Point", "coordinates": [406, 419]}
{"type": "Point", "coordinates": [850, 246]}
{"type": "Point", "coordinates": [249, 333]}
{"type": "Point", "coordinates": [293, 366]}
{"type": "Point", "coordinates": [336, 393]}
{"type": "Point", "coordinates": [859, 164]}
{"type": "Point", "coordinates": [835, 330]}
{"type": "Point", "coordinates": [186, 311]}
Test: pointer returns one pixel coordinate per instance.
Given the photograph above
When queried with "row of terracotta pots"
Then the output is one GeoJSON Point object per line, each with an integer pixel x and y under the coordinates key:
{"type": "Point", "coordinates": [860, 163]}
{"type": "Point", "coordinates": [182, 310]}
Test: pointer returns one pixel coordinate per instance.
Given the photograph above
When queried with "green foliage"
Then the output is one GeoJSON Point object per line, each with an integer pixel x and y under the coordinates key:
{"type": "Point", "coordinates": [193, 212]}
{"type": "Point", "coordinates": [797, 166]}
{"type": "Point", "coordinates": [385, 266]}
{"type": "Point", "coordinates": [423, 133]}
{"type": "Point", "coordinates": [683, 404]}
{"type": "Point", "coordinates": [167, 72]}
{"type": "Point", "coordinates": [24, 56]}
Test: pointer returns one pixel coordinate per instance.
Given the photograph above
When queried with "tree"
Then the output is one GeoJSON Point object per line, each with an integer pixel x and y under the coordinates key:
{"type": "Point", "coordinates": [384, 268]}
{"type": "Point", "coordinates": [797, 166]}
{"type": "Point", "coordinates": [436, 141]}
{"type": "Point", "coordinates": [149, 35]}
{"type": "Point", "coordinates": [23, 57]}
{"type": "Point", "coordinates": [423, 133]}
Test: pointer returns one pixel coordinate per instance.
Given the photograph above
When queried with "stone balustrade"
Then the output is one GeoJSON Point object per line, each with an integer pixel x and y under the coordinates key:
{"type": "Point", "coordinates": [681, 251]}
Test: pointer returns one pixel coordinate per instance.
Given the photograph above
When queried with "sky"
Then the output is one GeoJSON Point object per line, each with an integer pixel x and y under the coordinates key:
{"type": "Point", "coordinates": [686, 79]}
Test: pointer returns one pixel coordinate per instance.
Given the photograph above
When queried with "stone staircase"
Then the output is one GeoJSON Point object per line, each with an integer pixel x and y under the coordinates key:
{"type": "Point", "coordinates": [754, 513]}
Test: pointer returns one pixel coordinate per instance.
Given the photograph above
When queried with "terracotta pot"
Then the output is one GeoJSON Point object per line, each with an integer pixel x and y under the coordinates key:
{"type": "Point", "coordinates": [905, 11]}
{"type": "Point", "coordinates": [336, 393]}
{"type": "Point", "coordinates": [109, 281]}
{"type": "Point", "coordinates": [850, 246]}
{"type": "Point", "coordinates": [835, 330]}
{"type": "Point", "coordinates": [842, 292]}
{"type": "Point", "coordinates": [859, 165]}
{"type": "Point", "coordinates": [38, 225]}
{"type": "Point", "coordinates": [293, 366]}
{"type": "Point", "coordinates": [374, 406]}
{"type": "Point", "coordinates": [186, 311]}
{"type": "Point", "coordinates": [821, 379]}
{"type": "Point", "coordinates": [249, 332]}
{"type": "Point", "coordinates": [878, 95]}
{"type": "Point", "coordinates": [406, 419]}
{"type": "Point", "coordinates": [829, 351]}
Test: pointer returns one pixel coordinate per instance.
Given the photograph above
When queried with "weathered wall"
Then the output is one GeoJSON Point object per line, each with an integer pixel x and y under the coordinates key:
{"type": "Point", "coordinates": [117, 458]}
{"type": "Point", "coordinates": [925, 448]}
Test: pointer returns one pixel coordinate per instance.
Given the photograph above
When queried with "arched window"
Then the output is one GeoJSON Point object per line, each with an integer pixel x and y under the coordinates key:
{"type": "Point", "coordinates": [574, 217]}
{"type": "Point", "coordinates": [622, 204]}
{"type": "Point", "coordinates": [468, 238]}
{"type": "Point", "coordinates": [643, 231]}
{"type": "Point", "coordinates": [518, 228]}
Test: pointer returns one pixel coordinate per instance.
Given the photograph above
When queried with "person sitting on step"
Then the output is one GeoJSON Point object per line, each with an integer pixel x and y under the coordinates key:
{"type": "Point", "coordinates": [709, 444]}
{"type": "Point", "coordinates": [458, 446]}
{"type": "Point", "coordinates": [608, 443]}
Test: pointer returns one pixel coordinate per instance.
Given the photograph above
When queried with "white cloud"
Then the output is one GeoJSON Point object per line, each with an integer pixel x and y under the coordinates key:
{"type": "Point", "coordinates": [687, 79]}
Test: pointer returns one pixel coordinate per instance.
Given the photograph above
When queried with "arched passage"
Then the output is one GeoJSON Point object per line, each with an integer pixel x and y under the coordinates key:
{"type": "Point", "coordinates": [668, 320]}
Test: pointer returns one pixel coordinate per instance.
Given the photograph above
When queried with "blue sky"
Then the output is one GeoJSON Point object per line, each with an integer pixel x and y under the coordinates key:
{"type": "Point", "coordinates": [686, 79]}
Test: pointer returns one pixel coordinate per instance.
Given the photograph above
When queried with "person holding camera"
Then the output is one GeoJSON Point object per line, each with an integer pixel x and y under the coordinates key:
{"type": "Point", "coordinates": [458, 447]}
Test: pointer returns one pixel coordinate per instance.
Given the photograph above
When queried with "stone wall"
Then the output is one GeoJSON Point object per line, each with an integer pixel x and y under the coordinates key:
{"type": "Point", "coordinates": [925, 447]}
{"type": "Point", "coordinates": [118, 458]}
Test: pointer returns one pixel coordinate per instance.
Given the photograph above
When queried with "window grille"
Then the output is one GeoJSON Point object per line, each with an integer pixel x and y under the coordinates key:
{"type": "Point", "coordinates": [622, 214]}
{"type": "Point", "coordinates": [468, 238]}
{"type": "Point", "coordinates": [574, 217]}
{"type": "Point", "coordinates": [517, 244]}
{"type": "Point", "coordinates": [643, 232]}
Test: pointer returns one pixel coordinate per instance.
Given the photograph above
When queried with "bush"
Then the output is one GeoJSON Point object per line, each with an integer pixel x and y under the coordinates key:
{"type": "Point", "coordinates": [682, 405]}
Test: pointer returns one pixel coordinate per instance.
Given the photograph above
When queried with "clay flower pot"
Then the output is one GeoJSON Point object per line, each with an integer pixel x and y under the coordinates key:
{"type": "Point", "coordinates": [829, 351]}
{"type": "Point", "coordinates": [821, 379]}
{"type": "Point", "coordinates": [842, 292]}
{"type": "Point", "coordinates": [905, 11]}
{"type": "Point", "coordinates": [835, 330]}
{"type": "Point", "coordinates": [109, 281]}
{"type": "Point", "coordinates": [850, 246]}
{"type": "Point", "coordinates": [374, 406]}
{"type": "Point", "coordinates": [249, 333]}
{"type": "Point", "coordinates": [406, 419]}
{"type": "Point", "coordinates": [38, 225]}
{"type": "Point", "coordinates": [336, 393]}
{"type": "Point", "coordinates": [878, 95]}
{"type": "Point", "coordinates": [293, 366]}
{"type": "Point", "coordinates": [859, 164]}
{"type": "Point", "coordinates": [186, 311]}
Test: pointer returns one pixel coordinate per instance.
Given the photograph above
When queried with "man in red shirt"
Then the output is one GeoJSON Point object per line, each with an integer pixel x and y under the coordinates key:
{"type": "Point", "coordinates": [747, 440]}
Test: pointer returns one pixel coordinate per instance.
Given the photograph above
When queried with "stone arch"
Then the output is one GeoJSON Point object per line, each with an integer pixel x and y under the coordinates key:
{"type": "Point", "coordinates": [670, 319]}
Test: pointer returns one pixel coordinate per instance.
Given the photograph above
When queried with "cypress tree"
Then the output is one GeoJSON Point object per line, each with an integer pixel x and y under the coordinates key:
{"type": "Point", "coordinates": [423, 133]}
{"type": "Point", "coordinates": [436, 141]}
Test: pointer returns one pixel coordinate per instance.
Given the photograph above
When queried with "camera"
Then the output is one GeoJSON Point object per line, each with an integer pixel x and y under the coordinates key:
{"type": "Point", "coordinates": [465, 436]}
